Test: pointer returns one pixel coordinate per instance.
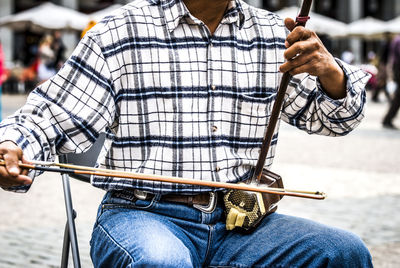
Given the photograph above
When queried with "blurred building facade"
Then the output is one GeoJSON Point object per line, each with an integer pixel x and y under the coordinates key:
{"type": "Point", "coordinates": [347, 11]}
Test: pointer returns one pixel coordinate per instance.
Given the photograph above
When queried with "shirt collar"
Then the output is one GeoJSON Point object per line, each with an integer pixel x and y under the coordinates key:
{"type": "Point", "coordinates": [234, 14]}
{"type": "Point", "coordinates": [175, 10]}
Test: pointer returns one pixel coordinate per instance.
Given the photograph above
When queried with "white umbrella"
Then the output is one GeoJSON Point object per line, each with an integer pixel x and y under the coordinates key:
{"type": "Point", "coordinates": [44, 17]}
{"type": "Point", "coordinates": [368, 27]}
{"type": "Point", "coordinates": [394, 25]}
{"type": "Point", "coordinates": [99, 15]}
{"type": "Point", "coordinates": [318, 23]}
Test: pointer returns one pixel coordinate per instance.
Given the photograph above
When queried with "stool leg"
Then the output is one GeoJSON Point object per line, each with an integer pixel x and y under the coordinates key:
{"type": "Point", "coordinates": [66, 245]}
{"type": "Point", "coordinates": [70, 220]}
{"type": "Point", "coordinates": [65, 249]}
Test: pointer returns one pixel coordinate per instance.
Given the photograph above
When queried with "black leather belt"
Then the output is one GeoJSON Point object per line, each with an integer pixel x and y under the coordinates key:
{"type": "Point", "coordinates": [205, 202]}
{"type": "Point", "coordinates": [202, 199]}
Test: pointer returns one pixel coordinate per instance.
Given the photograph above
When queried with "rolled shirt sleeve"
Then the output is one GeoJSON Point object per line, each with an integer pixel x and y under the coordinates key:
{"type": "Point", "coordinates": [309, 108]}
{"type": "Point", "coordinates": [66, 113]}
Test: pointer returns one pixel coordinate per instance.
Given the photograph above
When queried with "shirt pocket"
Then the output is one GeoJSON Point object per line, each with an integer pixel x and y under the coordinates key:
{"type": "Point", "coordinates": [252, 114]}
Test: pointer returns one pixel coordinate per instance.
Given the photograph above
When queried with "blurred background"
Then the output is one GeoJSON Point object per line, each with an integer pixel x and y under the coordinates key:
{"type": "Point", "coordinates": [359, 172]}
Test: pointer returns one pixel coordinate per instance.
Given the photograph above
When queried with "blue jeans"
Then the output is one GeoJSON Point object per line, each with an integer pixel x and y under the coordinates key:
{"type": "Point", "coordinates": [165, 234]}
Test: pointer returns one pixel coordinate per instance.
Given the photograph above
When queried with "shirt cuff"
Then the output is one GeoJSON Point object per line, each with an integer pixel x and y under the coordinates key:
{"type": "Point", "coordinates": [10, 134]}
{"type": "Point", "coordinates": [15, 135]}
{"type": "Point", "coordinates": [356, 80]}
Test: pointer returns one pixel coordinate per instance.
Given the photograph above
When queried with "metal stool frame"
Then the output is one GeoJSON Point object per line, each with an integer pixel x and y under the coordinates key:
{"type": "Point", "coordinates": [70, 235]}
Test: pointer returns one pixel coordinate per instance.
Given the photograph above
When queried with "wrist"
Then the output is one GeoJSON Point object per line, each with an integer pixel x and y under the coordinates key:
{"type": "Point", "coordinates": [333, 82]}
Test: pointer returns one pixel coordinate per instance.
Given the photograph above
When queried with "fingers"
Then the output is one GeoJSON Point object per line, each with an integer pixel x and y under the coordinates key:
{"type": "Point", "coordinates": [292, 66]}
{"type": "Point", "coordinates": [10, 178]}
{"type": "Point", "coordinates": [11, 160]}
{"type": "Point", "coordinates": [298, 34]}
{"type": "Point", "coordinates": [304, 50]}
{"type": "Point", "coordinates": [11, 155]}
{"type": "Point", "coordinates": [11, 174]}
{"type": "Point", "coordinates": [290, 24]}
{"type": "Point", "coordinates": [305, 53]}
{"type": "Point", "coordinates": [25, 161]}
{"type": "Point", "coordinates": [7, 182]}
{"type": "Point", "coordinates": [299, 48]}
{"type": "Point", "coordinates": [309, 67]}
{"type": "Point", "coordinates": [300, 54]}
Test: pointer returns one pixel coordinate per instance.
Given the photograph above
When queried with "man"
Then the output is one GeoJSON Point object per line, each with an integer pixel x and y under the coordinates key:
{"type": "Point", "coordinates": [185, 89]}
{"type": "Point", "coordinates": [58, 48]}
{"type": "Point", "coordinates": [395, 69]}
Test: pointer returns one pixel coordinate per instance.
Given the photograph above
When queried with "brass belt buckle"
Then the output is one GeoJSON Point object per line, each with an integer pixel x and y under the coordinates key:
{"type": "Point", "coordinates": [212, 204]}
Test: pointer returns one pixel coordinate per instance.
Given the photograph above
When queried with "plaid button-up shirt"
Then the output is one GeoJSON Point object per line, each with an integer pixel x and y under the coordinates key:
{"type": "Point", "coordinates": [175, 100]}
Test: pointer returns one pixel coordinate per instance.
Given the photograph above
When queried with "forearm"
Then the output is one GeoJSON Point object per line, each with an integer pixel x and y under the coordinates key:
{"type": "Point", "coordinates": [310, 108]}
{"type": "Point", "coordinates": [334, 82]}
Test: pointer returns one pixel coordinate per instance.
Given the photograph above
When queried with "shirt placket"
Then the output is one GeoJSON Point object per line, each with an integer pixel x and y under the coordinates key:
{"type": "Point", "coordinates": [215, 85]}
{"type": "Point", "coordinates": [212, 124]}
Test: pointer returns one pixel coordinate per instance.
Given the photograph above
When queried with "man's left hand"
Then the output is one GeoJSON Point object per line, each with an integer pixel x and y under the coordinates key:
{"type": "Point", "coordinates": [306, 53]}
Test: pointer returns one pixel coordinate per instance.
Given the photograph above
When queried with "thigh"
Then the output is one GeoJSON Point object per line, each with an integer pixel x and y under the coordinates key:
{"type": "Point", "coordinates": [126, 237]}
{"type": "Point", "coordinates": [286, 241]}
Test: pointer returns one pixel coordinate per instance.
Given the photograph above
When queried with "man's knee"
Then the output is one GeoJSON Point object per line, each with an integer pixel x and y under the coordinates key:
{"type": "Point", "coordinates": [128, 251]}
{"type": "Point", "coordinates": [106, 252]}
{"type": "Point", "coordinates": [343, 249]}
{"type": "Point", "coordinates": [161, 254]}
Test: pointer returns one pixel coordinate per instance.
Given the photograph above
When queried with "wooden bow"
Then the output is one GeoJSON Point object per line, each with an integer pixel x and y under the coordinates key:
{"type": "Point", "coordinates": [84, 170]}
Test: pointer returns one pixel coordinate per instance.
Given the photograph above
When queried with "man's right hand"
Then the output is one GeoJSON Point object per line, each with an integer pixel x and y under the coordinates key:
{"type": "Point", "coordinates": [11, 174]}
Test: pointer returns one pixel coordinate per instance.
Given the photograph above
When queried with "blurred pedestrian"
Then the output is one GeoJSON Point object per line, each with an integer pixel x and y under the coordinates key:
{"type": "Point", "coordinates": [2, 76]}
{"type": "Point", "coordinates": [58, 48]}
{"type": "Point", "coordinates": [371, 68]}
{"type": "Point", "coordinates": [382, 77]}
{"type": "Point", "coordinates": [395, 68]}
{"type": "Point", "coordinates": [347, 56]}
{"type": "Point", "coordinates": [46, 59]}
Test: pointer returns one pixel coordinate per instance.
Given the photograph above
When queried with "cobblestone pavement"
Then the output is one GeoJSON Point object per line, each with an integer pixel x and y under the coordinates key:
{"type": "Point", "coordinates": [359, 172]}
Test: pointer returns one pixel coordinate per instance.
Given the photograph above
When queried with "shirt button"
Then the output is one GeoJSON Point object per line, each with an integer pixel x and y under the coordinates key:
{"type": "Point", "coordinates": [213, 87]}
{"type": "Point", "coordinates": [214, 129]}
{"type": "Point", "coordinates": [217, 169]}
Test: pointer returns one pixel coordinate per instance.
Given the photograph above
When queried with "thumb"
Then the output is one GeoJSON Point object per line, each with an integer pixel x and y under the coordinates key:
{"type": "Point", "coordinates": [13, 169]}
{"type": "Point", "coordinates": [12, 166]}
{"type": "Point", "coordinates": [11, 160]}
{"type": "Point", "coordinates": [290, 24]}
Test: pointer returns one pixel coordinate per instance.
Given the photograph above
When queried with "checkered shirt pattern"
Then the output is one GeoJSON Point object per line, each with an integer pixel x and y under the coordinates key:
{"type": "Point", "coordinates": [175, 100]}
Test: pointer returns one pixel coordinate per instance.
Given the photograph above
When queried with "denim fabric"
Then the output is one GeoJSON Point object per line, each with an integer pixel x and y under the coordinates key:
{"type": "Point", "coordinates": [162, 234]}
